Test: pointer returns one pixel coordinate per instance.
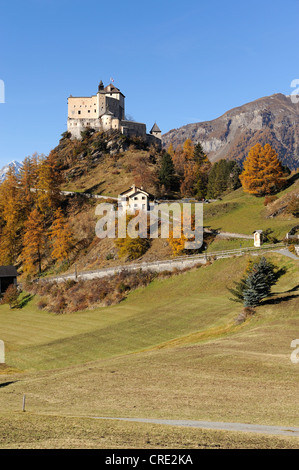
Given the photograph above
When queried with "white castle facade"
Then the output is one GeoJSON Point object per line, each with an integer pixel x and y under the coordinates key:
{"type": "Point", "coordinates": [103, 112]}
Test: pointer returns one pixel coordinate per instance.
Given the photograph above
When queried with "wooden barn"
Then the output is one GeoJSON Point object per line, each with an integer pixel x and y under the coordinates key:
{"type": "Point", "coordinates": [8, 276]}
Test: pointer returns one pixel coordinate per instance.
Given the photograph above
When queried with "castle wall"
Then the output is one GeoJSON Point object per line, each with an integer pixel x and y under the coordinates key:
{"type": "Point", "coordinates": [131, 128]}
{"type": "Point", "coordinates": [76, 126]}
{"type": "Point", "coordinates": [153, 140]}
{"type": "Point", "coordinates": [81, 108]}
{"type": "Point", "coordinates": [113, 105]}
{"type": "Point", "coordinates": [101, 104]}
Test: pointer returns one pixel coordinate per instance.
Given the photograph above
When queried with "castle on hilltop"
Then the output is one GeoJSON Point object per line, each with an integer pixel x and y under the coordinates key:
{"type": "Point", "coordinates": [103, 112]}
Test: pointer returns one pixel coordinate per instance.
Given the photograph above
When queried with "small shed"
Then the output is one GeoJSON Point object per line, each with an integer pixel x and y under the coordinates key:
{"type": "Point", "coordinates": [8, 276]}
{"type": "Point", "coordinates": [258, 238]}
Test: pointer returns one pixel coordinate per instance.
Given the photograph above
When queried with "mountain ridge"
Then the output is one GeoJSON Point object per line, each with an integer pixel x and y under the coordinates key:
{"type": "Point", "coordinates": [5, 168]}
{"type": "Point", "coordinates": [272, 119]}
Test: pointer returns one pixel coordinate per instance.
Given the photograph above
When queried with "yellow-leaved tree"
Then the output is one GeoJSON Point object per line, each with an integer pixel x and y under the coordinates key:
{"type": "Point", "coordinates": [61, 236]}
{"type": "Point", "coordinates": [187, 228]}
{"type": "Point", "coordinates": [263, 173]}
{"type": "Point", "coordinates": [47, 185]}
{"type": "Point", "coordinates": [10, 218]}
{"type": "Point", "coordinates": [33, 242]}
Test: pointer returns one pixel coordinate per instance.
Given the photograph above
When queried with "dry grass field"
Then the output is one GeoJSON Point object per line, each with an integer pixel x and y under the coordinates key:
{"type": "Point", "coordinates": [171, 350]}
{"type": "Point", "coordinates": [31, 431]}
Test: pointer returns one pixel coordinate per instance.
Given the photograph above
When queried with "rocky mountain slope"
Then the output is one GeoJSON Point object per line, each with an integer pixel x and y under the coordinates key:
{"type": "Point", "coordinates": [272, 119]}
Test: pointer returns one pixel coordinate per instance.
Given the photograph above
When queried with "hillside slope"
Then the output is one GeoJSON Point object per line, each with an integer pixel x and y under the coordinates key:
{"type": "Point", "coordinates": [171, 350]}
{"type": "Point", "coordinates": [240, 212]}
{"type": "Point", "coordinates": [272, 119]}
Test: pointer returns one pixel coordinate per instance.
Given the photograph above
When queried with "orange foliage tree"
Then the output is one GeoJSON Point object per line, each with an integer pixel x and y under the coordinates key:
{"type": "Point", "coordinates": [177, 245]}
{"type": "Point", "coordinates": [48, 183]}
{"type": "Point", "coordinates": [10, 218]}
{"type": "Point", "coordinates": [263, 173]}
{"type": "Point", "coordinates": [27, 183]}
{"type": "Point", "coordinates": [33, 242]}
{"type": "Point", "coordinates": [61, 236]}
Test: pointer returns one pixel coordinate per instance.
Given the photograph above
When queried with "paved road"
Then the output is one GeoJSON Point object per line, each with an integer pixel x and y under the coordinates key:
{"type": "Point", "coordinates": [222, 426]}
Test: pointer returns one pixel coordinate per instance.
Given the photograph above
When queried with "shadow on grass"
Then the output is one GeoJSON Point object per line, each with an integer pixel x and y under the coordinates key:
{"type": "Point", "coordinates": [279, 300]}
{"type": "Point", "coordinates": [24, 301]}
{"type": "Point", "coordinates": [5, 384]}
{"type": "Point", "coordinates": [294, 289]}
{"type": "Point", "coordinates": [96, 187]}
{"type": "Point", "coordinates": [292, 180]}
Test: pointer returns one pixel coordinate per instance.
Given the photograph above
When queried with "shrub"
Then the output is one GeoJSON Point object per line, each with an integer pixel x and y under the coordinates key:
{"type": "Point", "coordinates": [122, 287]}
{"type": "Point", "coordinates": [10, 296]}
{"type": "Point", "coordinates": [42, 303]}
{"type": "Point", "coordinates": [59, 305]}
{"type": "Point", "coordinates": [132, 248]}
{"type": "Point", "coordinates": [69, 283]}
{"type": "Point", "coordinates": [269, 200]}
{"type": "Point", "coordinates": [293, 206]}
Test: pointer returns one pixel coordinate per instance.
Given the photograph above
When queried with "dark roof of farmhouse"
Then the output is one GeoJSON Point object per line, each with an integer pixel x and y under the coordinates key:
{"type": "Point", "coordinates": [141, 191]}
{"type": "Point", "coordinates": [8, 271]}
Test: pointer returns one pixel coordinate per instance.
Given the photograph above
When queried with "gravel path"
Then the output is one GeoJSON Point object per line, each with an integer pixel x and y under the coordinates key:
{"type": "Point", "coordinates": [240, 427]}
{"type": "Point", "coordinates": [286, 252]}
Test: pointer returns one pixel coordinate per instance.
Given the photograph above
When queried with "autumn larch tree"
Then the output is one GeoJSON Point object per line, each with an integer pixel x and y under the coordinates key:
{"type": "Point", "coordinates": [33, 242]}
{"type": "Point", "coordinates": [28, 183]}
{"type": "Point", "coordinates": [10, 218]}
{"type": "Point", "coordinates": [48, 183]}
{"type": "Point", "coordinates": [263, 173]}
{"type": "Point", "coordinates": [61, 236]}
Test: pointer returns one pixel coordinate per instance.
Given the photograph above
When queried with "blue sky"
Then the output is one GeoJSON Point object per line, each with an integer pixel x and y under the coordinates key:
{"type": "Point", "coordinates": [177, 62]}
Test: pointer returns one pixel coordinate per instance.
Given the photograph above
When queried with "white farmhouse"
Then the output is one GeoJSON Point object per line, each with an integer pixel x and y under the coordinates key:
{"type": "Point", "coordinates": [135, 199]}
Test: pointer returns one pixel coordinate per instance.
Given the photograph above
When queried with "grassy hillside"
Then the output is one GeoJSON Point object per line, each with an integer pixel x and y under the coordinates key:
{"type": "Point", "coordinates": [149, 317]}
{"type": "Point", "coordinates": [171, 350]}
{"type": "Point", "coordinates": [106, 163]}
{"type": "Point", "coordinates": [240, 212]}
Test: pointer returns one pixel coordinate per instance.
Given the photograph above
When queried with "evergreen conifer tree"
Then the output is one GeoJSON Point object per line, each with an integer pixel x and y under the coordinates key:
{"type": "Point", "coordinates": [167, 172]}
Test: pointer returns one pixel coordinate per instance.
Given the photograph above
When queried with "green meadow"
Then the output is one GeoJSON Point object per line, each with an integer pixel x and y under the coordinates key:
{"type": "Point", "coordinates": [239, 212]}
{"type": "Point", "coordinates": [170, 350]}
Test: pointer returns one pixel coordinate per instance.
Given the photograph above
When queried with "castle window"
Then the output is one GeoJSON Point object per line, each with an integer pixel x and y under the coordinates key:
{"type": "Point", "coordinates": [79, 112]}
{"type": "Point", "coordinates": [89, 110]}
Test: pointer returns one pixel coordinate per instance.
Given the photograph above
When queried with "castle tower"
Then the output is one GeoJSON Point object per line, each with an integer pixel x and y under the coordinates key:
{"type": "Point", "coordinates": [156, 132]}
{"type": "Point", "coordinates": [101, 86]}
